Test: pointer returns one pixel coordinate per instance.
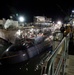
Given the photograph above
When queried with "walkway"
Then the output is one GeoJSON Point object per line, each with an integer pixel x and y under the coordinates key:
{"type": "Point", "coordinates": [70, 61]}
{"type": "Point", "coordinates": [70, 65]}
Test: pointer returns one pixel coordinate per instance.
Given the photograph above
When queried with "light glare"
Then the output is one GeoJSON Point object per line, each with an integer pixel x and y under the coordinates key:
{"type": "Point", "coordinates": [18, 32]}
{"type": "Point", "coordinates": [59, 22]}
{"type": "Point", "coordinates": [21, 19]}
{"type": "Point", "coordinates": [72, 11]}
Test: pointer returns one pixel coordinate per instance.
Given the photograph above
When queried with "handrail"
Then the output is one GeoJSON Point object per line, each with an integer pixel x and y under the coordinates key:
{"type": "Point", "coordinates": [56, 50]}
{"type": "Point", "coordinates": [50, 59]}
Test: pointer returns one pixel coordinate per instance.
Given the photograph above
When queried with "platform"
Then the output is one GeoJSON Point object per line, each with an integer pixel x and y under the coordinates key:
{"type": "Point", "coordinates": [70, 65]}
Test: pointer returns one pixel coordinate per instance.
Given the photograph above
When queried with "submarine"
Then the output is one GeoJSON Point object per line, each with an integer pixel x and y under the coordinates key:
{"type": "Point", "coordinates": [25, 51]}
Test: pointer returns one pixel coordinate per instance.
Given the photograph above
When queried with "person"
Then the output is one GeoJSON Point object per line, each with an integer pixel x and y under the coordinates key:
{"type": "Point", "coordinates": [62, 29]}
{"type": "Point", "coordinates": [68, 29]}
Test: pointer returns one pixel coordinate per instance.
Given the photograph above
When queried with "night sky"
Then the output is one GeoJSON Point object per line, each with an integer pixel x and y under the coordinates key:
{"type": "Point", "coordinates": [56, 9]}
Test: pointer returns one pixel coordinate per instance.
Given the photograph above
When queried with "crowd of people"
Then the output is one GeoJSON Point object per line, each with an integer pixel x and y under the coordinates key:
{"type": "Point", "coordinates": [66, 29]}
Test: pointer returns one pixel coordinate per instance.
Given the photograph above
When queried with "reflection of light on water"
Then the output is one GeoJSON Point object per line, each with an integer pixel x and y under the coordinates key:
{"type": "Point", "coordinates": [23, 44]}
{"type": "Point", "coordinates": [23, 54]}
{"type": "Point", "coordinates": [37, 68]}
{"type": "Point", "coordinates": [26, 69]}
{"type": "Point", "coordinates": [7, 50]}
{"type": "Point", "coordinates": [20, 68]}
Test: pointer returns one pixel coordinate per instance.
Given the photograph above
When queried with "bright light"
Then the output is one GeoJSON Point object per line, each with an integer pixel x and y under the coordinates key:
{"type": "Point", "coordinates": [40, 18]}
{"type": "Point", "coordinates": [18, 32]}
{"type": "Point", "coordinates": [7, 50]}
{"type": "Point", "coordinates": [72, 11]}
{"type": "Point", "coordinates": [21, 19]}
{"type": "Point", "coordinates": [59, 22]}
{"type": "Point", "coordinates": [32, 30]}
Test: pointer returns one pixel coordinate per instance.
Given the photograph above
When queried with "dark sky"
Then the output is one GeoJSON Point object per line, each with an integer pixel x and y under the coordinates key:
{"type": "Point", "coordinates": [29, 8]}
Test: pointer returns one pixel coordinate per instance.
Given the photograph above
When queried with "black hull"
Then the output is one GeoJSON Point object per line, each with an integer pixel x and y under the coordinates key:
{"type": "Point", "coordinates": [9, 57]}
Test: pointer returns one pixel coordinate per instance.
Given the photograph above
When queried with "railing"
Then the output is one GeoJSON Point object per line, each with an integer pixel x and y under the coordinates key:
{"type": "Point", "coordinates": [55, 63]}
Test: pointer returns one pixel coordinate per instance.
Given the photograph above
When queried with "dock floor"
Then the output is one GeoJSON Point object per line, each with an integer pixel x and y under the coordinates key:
{"type": "Point", "coordinates": [70, 65]}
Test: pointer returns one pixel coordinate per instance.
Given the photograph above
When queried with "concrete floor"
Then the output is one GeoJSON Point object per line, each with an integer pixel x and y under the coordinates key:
{"type": "Point", "coordinates": [70, 60]}
{"type": "Point", "coordinates": [70, 65]}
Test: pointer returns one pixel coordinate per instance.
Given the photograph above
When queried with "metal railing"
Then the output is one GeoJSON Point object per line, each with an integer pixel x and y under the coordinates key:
{"type": "Point", "coordinates": [55, 64]}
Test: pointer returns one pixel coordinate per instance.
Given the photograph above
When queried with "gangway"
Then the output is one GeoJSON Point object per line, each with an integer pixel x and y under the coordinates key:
{"type": "Point", "coordinates": [70, 65]}
{"type": "Point", "coordinates": [55, 64]}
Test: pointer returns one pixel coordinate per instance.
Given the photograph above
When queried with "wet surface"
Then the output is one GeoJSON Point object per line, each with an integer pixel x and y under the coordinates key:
{"type": "Point", "coordinates": [30, 67]}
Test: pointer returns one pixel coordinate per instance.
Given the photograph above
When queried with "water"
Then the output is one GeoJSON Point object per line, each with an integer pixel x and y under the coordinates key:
{"type": "Point", "coordinates": [31, 67]}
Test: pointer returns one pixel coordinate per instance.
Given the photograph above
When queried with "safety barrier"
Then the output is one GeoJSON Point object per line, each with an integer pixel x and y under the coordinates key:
{"type": "Point", "coordinates": [55, 63]}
